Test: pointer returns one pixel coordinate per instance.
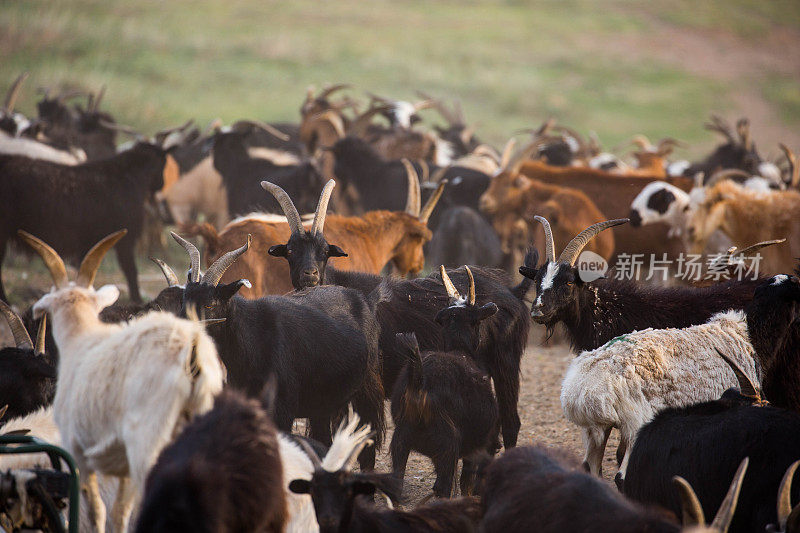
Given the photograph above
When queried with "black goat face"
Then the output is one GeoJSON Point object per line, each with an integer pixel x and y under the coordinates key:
{"type": "Point", "coordinates": [460, 325]}
{"type": "Point", "coordinates": [556, 284]}
{"type": "Point", "coordinates": [208, 301]}
{"type": "Point", "coordinates": [333, 494]}
{"type": "Point", "coordinates": [308, 256]}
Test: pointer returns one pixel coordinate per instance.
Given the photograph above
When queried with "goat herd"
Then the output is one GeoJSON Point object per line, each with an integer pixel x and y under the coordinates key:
{"type": "Point", "coordinates": [179, 412]}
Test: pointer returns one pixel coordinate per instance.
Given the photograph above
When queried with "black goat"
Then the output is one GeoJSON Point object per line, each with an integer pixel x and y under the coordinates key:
{"type": "Point", "coordinates": [339, 508]}
{"type": "Point", "coordinates": [596, 312]}
{"type": "Point", "coordinates": [72, 207]}
{"type": "Point", "coordinates": [321, 344]}
{"type": "Point", "coordinates": [703, 443]}
{"type": "Point", "coordinates": [242, 174]}
{"type": "Point", "coordinates": [27, 372]}
{"type": "Point", "coordinates": [464, 237]}
{"type": "Point", "coordinates": [773, 322]}
{"type": "Point", "coordinates": [222, 473]}
{"type": "Point", "coordinates": [442, 404]}
{"type": "Point", "coordinates": [534, 489]}
{"type": "Point", "coordinates": [738, 153]}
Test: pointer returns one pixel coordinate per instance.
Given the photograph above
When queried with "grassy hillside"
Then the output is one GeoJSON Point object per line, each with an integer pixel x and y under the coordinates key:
{"type": "Point", "coordinates": [617, 67]}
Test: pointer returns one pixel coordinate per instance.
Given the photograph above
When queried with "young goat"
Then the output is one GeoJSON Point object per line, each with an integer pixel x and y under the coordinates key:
{"type": "Point", "coordinates": [27, 373]}
{"type": "Point", "coordinates": [533, 489]}
{"type": "Point", "coordinates": [123, 390]}
{"type": "Point", "coordinates": [595, 312]}
{"type": "Point", "coordinates": [222, 473]}
{"type": "Point", "coordinates": [442, 404]}
{"type": "Point", "coordinates": [624, 383]}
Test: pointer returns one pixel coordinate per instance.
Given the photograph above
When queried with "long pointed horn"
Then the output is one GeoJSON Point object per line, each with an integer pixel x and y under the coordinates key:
{"type": "Point", "coordinates": [427, 210]}
{"type": "Point", "coordinates": [332, 89]}
{"type": "Point", "coordinates": [335, 120]}
{"type": "Point", "coordinates": [743, 129]}
{"type": "Point", "coordinates": [96, 100]}
{"type": "Point", "coordinates": [550, 250]}
{"type": "Point", "coordinates": [471, 293]}
{"type": "Point", "coordinates": [21, 337]}
{"type": "Point", "coordinates": [50, 257]}
{"type": "Point", "coordinates": [41, 335]}
{"type": "Point", "coordinates": [215, 271]}
{"type": "Point", "coordinates": [746, 386]}
{"type": "Point", "coordinates": [361, 123]}
{"type": "Point", "coordinates": [194, 256]}
{"type": "Point", "coordinates": [794, 169]}
{"type": "Point", "coordinates": [13, 92]}
{"type": "Point", "coordinates": [727, 174]}
{"type": "Point", "coordinates": [413, 199]}
{"type": "Point", "coordinates": [508, 149]}
{"type": "Point", "coordinates": [127, 130]}
{"type": "Point", "coordinates": [93, 258]}
{"type": "Point", "coordinates": [785, 496]}
{"type": "Point", "coordinates": [576, 245]}
{"type": "Point", "coordinates": [272, 130]}
{"type": "Point", "coordinates": [172, 279]}
{"type": "Point", "coordinates": [756, 247]}
{"type": "Point", "coordinates": [448, 284]}
{"type": "Point", "coordinates": [691, 509]}
{"type": "Point", "coordinates": [322, 208]}
{"type": "Point", "coordinates": [315, 461]}
{"type": "Point", "coordinates": [292, 216]}
{"type": "Point", "coordinates": [720, 126]}
{"type": "Point", "coordinates": [724, 516]}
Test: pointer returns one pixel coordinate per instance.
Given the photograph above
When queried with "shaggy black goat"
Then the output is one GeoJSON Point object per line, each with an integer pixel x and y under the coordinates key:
{"type": "Point", "coordinates": [72, 207]}
{"type": "Point", "coordinates": [464, 237]}
{"type": "Point", "coordinates": [321, 344]}
{"type": "Point", "coordinates": [27, 373]}
{"type": "Point", "coordinates": [335, 494]}
{"type": "Point", "coordinates": [703, 443]}
{"type": "Point", "coordinates": [222, 473]}
{"type": "Point", "coordinates": [773, 322]}
{"type": "Point", "coordinates": [242, 174]}
{"type": "Point", "coordinates": [738, 153]}
{"type": "Point", "coordinates": [596, 312]}
{"type": "Point", "coordinates": [534, 489]}
{"type": "Point", "coordinates": [442, 404]}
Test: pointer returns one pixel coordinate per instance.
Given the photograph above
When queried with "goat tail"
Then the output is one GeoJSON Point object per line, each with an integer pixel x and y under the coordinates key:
{"type": "Point", "coordinates": [521, 290]}
{"type": "Point", "coordinates": [205, 230]}
{"type": "Point", "coordinates": [414, 408]}
{"type": "Point", "coordinates": [205, 371]}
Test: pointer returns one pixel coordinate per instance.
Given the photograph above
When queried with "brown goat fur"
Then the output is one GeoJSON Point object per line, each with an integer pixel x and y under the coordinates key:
{"type": "Point", "coordinates": [371, 241]}
{"type": "Point", "coordinates": [747, 217]}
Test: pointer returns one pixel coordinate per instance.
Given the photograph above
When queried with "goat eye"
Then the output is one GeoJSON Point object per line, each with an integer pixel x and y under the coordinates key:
{"type": "Point", "coordinates": [569, 284]}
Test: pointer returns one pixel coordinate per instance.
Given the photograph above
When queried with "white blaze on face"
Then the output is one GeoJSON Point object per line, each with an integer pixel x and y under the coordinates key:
{"type": "Point", "coordinates": [780, 278]}
{"type": "Point", "coordinates": [403, 112]}
{"type": "Point", "coordinates": [547, 281]}
{"type": "Point", "coordinates": [677, 168]}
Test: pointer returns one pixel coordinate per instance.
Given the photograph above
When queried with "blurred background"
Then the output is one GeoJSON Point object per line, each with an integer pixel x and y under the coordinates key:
{"type": "Point", "coordinates": [614, 67]}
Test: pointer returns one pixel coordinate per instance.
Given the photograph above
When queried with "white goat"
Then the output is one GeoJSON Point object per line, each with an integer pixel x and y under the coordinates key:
{"type": "Point", "coordinates": [124, 390]}
{"type": "Point", "coordinates": [37, 150]}
{"type": "Point", "coordinates": [297, 464]}
{"type": "Point", "coordinates": [625, 382]}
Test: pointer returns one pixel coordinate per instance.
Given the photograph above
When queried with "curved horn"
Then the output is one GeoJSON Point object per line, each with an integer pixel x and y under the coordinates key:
{"type": "Point", "coordinates": [642, 142]}
{"type": "Point", "coordinates": [720, 126]}
{"type": "Point", "coordinates": [423, 104]}
{"type": "Point", "coordinates": [550, 254]}
{"type": "Point", "coordinates": [322, 208]}
{"type": "Point", "coordinates": [172, 279]}
{"type": "Point", "coordinates": [363, 120]}
{"type": "Point", "coordinates": [485, 150]}
{"type": "Point", "coordinates": [427, 210]}
{"type": "Point", "coordinates": [413, 199]}
{"type": "Point", "coordinates": [272, 130]}
{"type": "Point", "coordinates": [127, 130]}
{"type": "Point", "coordinates": [350, 461]}
{"type": "Point", "coordinates": [691, 509]}
{"type": "Point", "coordinates": [794, 169]}
{"type": "Point", "coordinates": [332, 89]}
{"type": "Point", "coordinates": [97, 99]}
{"type": "Point", "coordinates": [576, 245]}
{"type": "Point", "coordinates": [21, 337]}
{"type": "Point", "coordinates": [756, 247]}
{"type": "Point", "coordinates": [743, 129]}
{"type": "Point", "coordinates": [13, 92]}
{"type": "Point", "coordinates": [448, 285]}
{"type": "Point", "coordinates": [41, 335]}
{"type": "Point", "coordinates": [194, 256]}
{"type": "Point", "coordinates": [746, 386]}
{"type": "Point", "coordinates": [50, 257]}
{"type": "Point", "coordinates": [311, 453]}
{"type": "Point", "coordinates": [522, 155]}
{"type": "Point", "coordinates": [785, 496]}
{"type": "Point", "coordinates": [471, 293]}
{"type": "Point", "coordinates": [334, 119]}
{"type": "Point", "coordinates": [508, 149]}
{"type": "Point", "coordinates": [722, 520]}
{"type": "Point", "coordinates": [216, 270]}
{"type": "Point", "coordinates": [93, 258]}
{"type": "Point", "coordinates": [292, 216]}
{"type": "Point", "coordinates": [727, 174]}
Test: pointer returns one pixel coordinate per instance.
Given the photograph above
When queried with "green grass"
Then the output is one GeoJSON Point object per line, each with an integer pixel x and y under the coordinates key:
{"type": "Point", "coordinates": [511, 63]}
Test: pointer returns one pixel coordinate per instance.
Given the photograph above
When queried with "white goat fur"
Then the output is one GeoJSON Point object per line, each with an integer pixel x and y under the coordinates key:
{"type": "Point", "coordinates": [124, 390]}
{"type": "Point", "coordinates": [624, 383]}
{"type": "Point", "coordinates": [36, 150]}
{"type": "Point", "coordinates": [297, 465]}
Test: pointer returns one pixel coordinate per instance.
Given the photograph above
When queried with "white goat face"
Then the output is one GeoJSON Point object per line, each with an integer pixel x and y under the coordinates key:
{"type": "Point", "coordinates": [99, 299]}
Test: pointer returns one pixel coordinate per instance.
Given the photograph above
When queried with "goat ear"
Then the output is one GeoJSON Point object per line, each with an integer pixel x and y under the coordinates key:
{"type": "Point", "coordinates": [279, 250]}
{"type": "Point", "coordinates": [41, 307]}
{"type": "Point", "coordinates": [335, 251]}
{"type": "Point", "coordinates": [227, 291]}
{"type": "Point", "coordinates": [105, 296]}
{"type": "Point", "coordinates": [528, 272]}
{"type": "Point", "coordinates": [300, 486]}
{"type": "Point", "coordinates": [486, 311]}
